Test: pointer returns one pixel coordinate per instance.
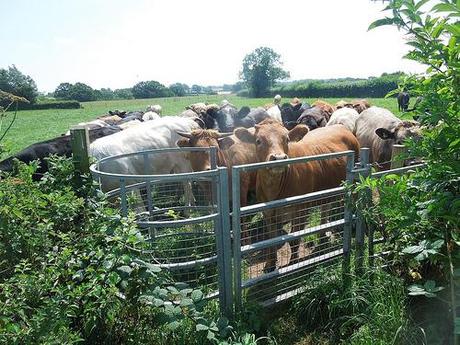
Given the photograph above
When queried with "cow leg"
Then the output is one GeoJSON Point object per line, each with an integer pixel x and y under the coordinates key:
{"type": "Point", "coordinates": [298, 224]}
{"type": "Point", "coordinates": [270, 253]}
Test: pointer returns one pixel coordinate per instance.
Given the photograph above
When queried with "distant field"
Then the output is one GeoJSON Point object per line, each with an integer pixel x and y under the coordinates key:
{"type": "Point", "coordinates": [37, 125]}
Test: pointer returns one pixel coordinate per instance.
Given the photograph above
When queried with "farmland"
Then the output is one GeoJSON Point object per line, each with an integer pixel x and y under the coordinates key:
{"type": "Point", "coordinates": [37, 125]}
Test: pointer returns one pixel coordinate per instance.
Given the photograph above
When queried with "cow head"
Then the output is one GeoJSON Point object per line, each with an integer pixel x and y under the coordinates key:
{"type": "Point", "coordinates": [360, 105]}
{"type": "Point", "coordinates": [202, 138]}
{"type": "Point", "coordinates": [290, 113]}
{"type": "Point", "coordinates": [403, 131]}
{"type": "Point", "coordinates": [271, 139]}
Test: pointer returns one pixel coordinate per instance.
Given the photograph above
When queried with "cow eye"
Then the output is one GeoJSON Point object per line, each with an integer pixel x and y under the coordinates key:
{"type": "Point", "coordinates": [258, 141]}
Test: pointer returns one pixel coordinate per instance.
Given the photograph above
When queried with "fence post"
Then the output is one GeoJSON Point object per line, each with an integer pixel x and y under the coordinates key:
{"type": "Point", "coordinates": [79, 142]}
{"type": "Point", "coordinates": [397, 151]}
{"type": "Point", "coordinates": [360, 222]}
{"type": "Point", "coordinates": [348, 217]}
{"type": "Point", "coordinates": [224, 245]}
{"type": "Point", "coordinates": [236, 227]}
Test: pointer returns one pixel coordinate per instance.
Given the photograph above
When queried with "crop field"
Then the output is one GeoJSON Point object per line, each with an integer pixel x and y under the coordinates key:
{"type": "Point", "coordinates": [37, 125]}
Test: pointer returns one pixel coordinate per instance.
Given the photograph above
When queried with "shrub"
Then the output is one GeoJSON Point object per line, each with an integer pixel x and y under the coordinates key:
{"type": "Point", "coordinates": [48, 105]}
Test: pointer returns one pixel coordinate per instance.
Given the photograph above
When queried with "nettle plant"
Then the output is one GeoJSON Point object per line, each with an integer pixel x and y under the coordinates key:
{"type": "Point", "coordinates": [419, 213]}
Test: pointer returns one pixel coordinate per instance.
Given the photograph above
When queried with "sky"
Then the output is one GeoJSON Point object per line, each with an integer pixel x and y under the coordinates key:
{"type": "Point", "coordinates": [117, 43]}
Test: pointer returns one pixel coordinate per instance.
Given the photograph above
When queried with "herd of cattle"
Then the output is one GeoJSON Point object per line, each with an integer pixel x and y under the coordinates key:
{"type": "Point", "coordinates": [242, 136]}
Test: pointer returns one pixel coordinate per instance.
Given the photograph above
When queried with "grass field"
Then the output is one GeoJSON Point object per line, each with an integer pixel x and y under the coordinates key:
{"type": "Point", "coordinates": [37, 125]}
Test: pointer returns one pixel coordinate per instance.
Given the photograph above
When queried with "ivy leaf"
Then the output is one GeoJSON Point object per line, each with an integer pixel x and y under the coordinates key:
{"type": "Point", "coordinates": [197, 295]}
{"type": "Point", "coordinates": [381, 22]}
{"type": "Point", "coordinates": [201, 327]}
{"type": "Point", "coordinates": [412, 250]}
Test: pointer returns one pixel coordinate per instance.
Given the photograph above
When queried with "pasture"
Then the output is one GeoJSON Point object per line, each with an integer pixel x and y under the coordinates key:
{"type": "Point", "coordinates": [32, 126]}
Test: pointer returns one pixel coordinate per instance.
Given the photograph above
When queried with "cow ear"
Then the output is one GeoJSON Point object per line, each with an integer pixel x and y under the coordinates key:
{"type": "Point", "coordinates": [297, 106]}
{"type": "Point", "coordinates": [244, 135]}
{"type": "Point", "coordinates": [298, 132]}
{"type": "Point", "coordinates": [225, 143]}
{"type": "Point", "coordinates": [384, 133]}
{"type": "Point", "coordinates": [244, 111]}
{"type": "Point", "coordinates": [183, 142]}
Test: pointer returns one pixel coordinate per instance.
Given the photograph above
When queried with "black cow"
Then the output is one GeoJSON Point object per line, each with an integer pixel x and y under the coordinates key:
{"type": "Point", "coordinates": [313, 118]}
{"type": "Point", "coordinates": [290, 113]}
{"type": "Point", "coordinates": [403, 101]}
{"type": "Point", "coordinates": [59, 146]}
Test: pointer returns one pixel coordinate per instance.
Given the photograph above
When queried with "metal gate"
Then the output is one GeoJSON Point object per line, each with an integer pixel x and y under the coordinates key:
{"type": "Point", "coordinates": [182, 216]}
{"type": "Point", "coordinates": [263, 252]}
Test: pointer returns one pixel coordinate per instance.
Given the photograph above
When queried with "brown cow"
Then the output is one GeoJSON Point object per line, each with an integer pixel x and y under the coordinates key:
{"type": "Point", "coordinates": [360, 105]}
{"type": "Point", "coordinates": [274, 142]}
{"type": "Point", "coordinates": [230, 152]}
{"type": "Point", "coordinates": [343, 104]}
{"type": "Point", "coordinates": [325, 107]}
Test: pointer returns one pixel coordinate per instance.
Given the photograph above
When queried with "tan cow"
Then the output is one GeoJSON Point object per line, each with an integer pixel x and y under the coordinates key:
{"type": "Point", "coordinates": [230, 152]}
{"type": "Point", "coordinates": [378, 129]}
{"type": "Point", "coordinates": [274, 142]}
{"type": "Point", "coordinates": [360, 105]}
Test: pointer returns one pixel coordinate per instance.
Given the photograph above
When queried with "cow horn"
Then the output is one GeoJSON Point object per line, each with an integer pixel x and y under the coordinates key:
{"type": "Point", "coordinates": [185, 135]}
{"type": "Point", "coordinates": [223, 135]}
{"type": "Point", "coordinates": [200, 122]}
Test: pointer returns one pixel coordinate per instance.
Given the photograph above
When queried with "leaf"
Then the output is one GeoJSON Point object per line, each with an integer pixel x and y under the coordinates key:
{"type": "Point", "coordinates": [420, 4]}
{"type": "Point", "coordinates": [412, 250]}
{"type": "Point", "coordinates": [197, 295]}
{"type": "Point", "coordinates": [201, 327]}
{"type": "Point", "coordinates": [173, 325]}
{"type": "Point", "coordinates": [443, 8]}
{"type": "Point", "coordinates": [125, 270]}
{"type": "Point", "coordinates": [381, 22]}
{"type": "Point", "coordinates": [186, 302]}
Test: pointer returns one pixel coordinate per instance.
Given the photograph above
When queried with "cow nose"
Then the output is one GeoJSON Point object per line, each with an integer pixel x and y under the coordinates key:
{"type": "Point", "coordinates": [274, 157]}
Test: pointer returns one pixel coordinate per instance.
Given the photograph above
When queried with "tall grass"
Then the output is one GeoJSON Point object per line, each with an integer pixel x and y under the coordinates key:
{"type": "Point", "coordinates": [372, 311]}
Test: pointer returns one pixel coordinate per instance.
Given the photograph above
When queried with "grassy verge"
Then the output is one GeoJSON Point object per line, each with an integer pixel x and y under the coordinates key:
{"type": "Point", "coordinates": [37, 125]}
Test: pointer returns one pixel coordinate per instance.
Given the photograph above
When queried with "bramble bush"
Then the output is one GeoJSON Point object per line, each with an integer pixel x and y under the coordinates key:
{"type": "Point", "coordinates": [419, 213]}
{"type": "Point", "coordinates": [71, 272]}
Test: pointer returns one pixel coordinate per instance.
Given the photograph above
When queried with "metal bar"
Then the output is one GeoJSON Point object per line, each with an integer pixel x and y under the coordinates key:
{"type": "Point", "coordinates": [273, 164]}
{"type": "Point", "coordinates": [291, 200]}
{"type": "Point", "coordinates": [291, 236]}
{"type": "Point", "coordinates": [124, 206]}
{"type": "Point", "coordinates": [188, 264]}
{"type": "Point", "coordinates": [398, 170]}
{"type": "Point", "coordinates": [79, 142]}
{"type": "Point", "coordinates": [360, 221]}
{"type": "Point", "coordinates": [236, 227]}
{"type": "Point", "coordinates": [226, 289]}
{"type": "Point", "coordinates": [348, 217]}
{"type": "Point", "coordinates": [178, 222]}
{"type": "Point", "coordinates": [294, 267]}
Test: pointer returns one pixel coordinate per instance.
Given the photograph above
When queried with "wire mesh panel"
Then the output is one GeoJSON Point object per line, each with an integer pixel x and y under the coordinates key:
{"type": "Point", "coordinates": [179, 212]}
{"type": "Point", "coordinates": [278, 243]}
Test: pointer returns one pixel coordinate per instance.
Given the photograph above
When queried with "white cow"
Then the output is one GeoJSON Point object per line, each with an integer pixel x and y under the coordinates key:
{"type": "Point", "coordinates": [158, 134]}
{"type": "Point", "coordinates": [129, 124]}
{"type": "Point", "coordinates": [155, 108]}
{"type": "Point", "coordinates": [92, 125]}
{"type": "Point", "coordinates": [344, 116]}
{"type": "Point", "coordinates": [150, 115]}
{"type": "Point", "coordinates": [275, 113]}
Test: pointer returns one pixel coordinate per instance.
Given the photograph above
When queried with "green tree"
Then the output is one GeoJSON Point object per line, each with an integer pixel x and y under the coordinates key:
{"type": "Point", "coordinates": [82, 92]}
{"type": "Point", "coordinates": [126, 93]}
{"type": "Point", "coordinates": [196, 89]}
{"type": "Point", "coordinates": [150, 89]}
{"type": "Point", "coordinates": [63, 91]}
{"type": "Point", "coordinates": [17, 83]}
{"type": "Point", "coordinates": [179, 89]}
{"type": "Point", "coordinates": [261, 69]}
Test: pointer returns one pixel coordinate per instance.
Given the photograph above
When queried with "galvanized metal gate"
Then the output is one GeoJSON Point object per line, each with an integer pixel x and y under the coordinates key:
{"type": "Point", "coordinates": [263, 252]}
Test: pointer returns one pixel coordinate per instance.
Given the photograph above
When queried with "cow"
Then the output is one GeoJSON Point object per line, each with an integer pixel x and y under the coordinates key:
{"type": "Point", "coordinates": [314, 118]}
{"type": "Point", "coordinates": [343, 104]}
{"type": "Point", "coordinates": [132, 115]}
{"type": "Point", "coordinates": [120, 113]}
{"type": "Point", "coordinates": [345, 116]}
{"type": "Point", "coordinates": [98, 123]}
{"type": "Point", "coordinates": [129, 124]}
{"type": "Point", "coordinates": [360, 105]}
{"type": "Point", "coordinates": [275, 113]}
{"type": "Point", "coordinates": [230, 152]}
{"type": "Point", "coordinates": [277, 99]}
{"type": "Point", "coordinates": [57, 146]}
{"type": "Point", "coordinates": [290, 112]}
{"type": "Point", "coordinates": [161, 133]}
{"type": "Point", "coordinates": [150, 116]}
{"type": "Point", "coordinates": [325, 107]}
{"type": "Point", "coordinates": [403, 101]}
{"type": "Point", "coordinates": [155, 108]}
{"type": "Point", "coordinates": [379, 129]}
{"type": "Point", "coordinates": [274, 143]}
{"type": "Point", "coordinates": [110, 119]}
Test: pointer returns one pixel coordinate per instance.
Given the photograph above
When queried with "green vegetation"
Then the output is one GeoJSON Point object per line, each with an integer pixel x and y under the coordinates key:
{"type": "Point", "coordinates": [419, 213]}
{"type": "Point", "coordinates": [372, 87]}
{"type": "Point", "coordinates": [18, 84]}
{"type": "Point", "coordinates": [261, 69]}
{"type": "Point", "coordinates": [37, 125]}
